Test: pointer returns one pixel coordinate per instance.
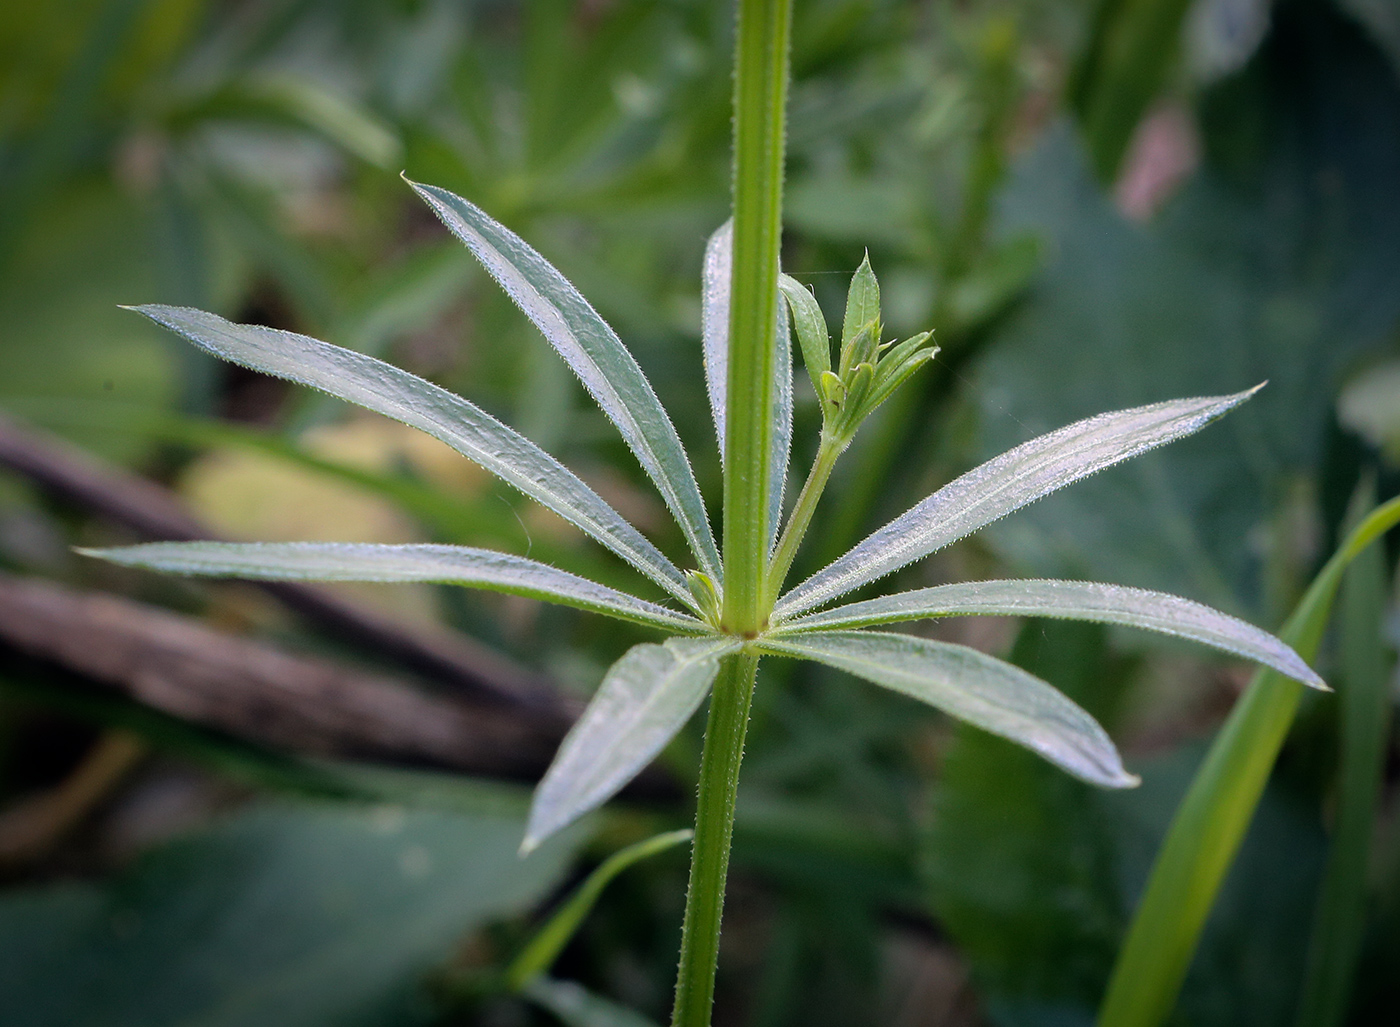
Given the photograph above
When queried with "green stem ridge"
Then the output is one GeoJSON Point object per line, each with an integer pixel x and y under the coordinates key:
{"type": "Point", "coordinates": [760, 99]}
{"type": "Point", "coordinates": [714, 826]}
{"type": "Point", "coordinates": [1211, 821]}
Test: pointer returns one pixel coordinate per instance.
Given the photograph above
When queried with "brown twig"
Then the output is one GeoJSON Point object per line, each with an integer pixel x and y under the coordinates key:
{"type": "Point", "coordinates": [251, 690]}
{"type": "Point", "coordinates": [154, 512]}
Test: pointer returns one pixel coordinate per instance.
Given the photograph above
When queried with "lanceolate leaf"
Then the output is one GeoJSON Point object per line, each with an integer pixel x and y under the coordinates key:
{"type": "Point", "coordinates": [810, 323]}
{"type": "Point", "coordinates": [345, 561]}
{"type": "Point", "coordinates": [395, 393]}
{"type": "Point", "coordinates": [594, 352]}
{"type": "Point", "coordinates": [1004, 484]}
{"type": "Point", "coordinates": [1072, 600]}
{"type": "Point", "coordinates": [646, 697]}
{"type": "Point", "coordinates": [714, 330]}
{"type": "Point", "coordinates": [974, 687]}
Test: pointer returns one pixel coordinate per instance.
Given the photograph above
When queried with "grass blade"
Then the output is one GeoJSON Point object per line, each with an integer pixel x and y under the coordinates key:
{"type": "Point", "coordinates": [714, 330]}
{"type": "Point", "coordinates": [405, 397]}
{"type": "Point", "coordinates": [1211, 821]}
{"type": "Point", "coordinates": [1004, 484]}
{"type": "Point", "coordinates": [544, 948]}
{"type": "Point", "coordinates": [1071, 600]}
{"type": "Point", "coordinates": [974, 687]}
{"type": "Point", "coordinates": [646, 697]}
{"type": "Point", "coordinates": [576, 1006]}
{"type": "Point", "coordinates": [1340, 921]}
{"type": "Point", "coordinates": [353, 561]}
{"type": "Point", "coordinates": [594, 352]}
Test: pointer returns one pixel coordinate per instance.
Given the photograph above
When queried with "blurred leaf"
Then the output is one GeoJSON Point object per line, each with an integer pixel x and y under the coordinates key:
{"type": "Point", "coordinates": [294, 914]}
{"type": "Point", "coordinates": [1280, 262]}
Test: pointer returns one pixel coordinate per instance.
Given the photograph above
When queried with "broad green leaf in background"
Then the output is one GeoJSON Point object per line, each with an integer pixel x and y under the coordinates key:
{"type": "Point", "coordinates": [1071, 600]}
{"type": "Point", "coordinates": [714, 331]}
{"type": "Point", "coordinates": [285, 915]}
{"type": "Point", "coordinates": [395, 393]}
{"type": "Point", "coordinates": [974, 687]}
{"type": "Point", "coordinates": [646, 697]}
{"type": "Point", "coordinates": [348, 561]}
{"type": "Point", "coordinates": [1005, 484]}
{"type": "Point", "coordinates": [1279, 261]}
{"type": "Point", "coordinates": [594, 352]}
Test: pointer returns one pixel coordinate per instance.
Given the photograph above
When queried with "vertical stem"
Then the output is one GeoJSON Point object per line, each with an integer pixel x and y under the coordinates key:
{"type": "Point", "coordinates": [714, 824]}
{"type": "Point", "coordinates": [760, 100]}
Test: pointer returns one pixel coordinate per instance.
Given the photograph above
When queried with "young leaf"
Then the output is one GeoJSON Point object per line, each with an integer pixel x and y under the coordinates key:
{"type": "Point", "coordinates": [714, 330]}
{"type": "Point", "coordinates": [862, 306]}
{"type": "Point", "coordinates": [594, 352]}
{"type": "Point", "coordinates": [972, 686]}
{"type": "Point", "coordinates": [346, 561]}
{"type": "Point", "coordinates": [1071, 600]}
{"type": "Point", "coordinates": [646, 697]}
{"type": "Point", "coordinates": [395, 393]}
{"type": "Point", "coordinates": [1005, 484]}
{"type": "Point", "coordinates": [810, 323]}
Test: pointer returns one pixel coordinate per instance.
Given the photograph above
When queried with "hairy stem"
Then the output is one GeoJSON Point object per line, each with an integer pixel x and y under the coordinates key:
{"type": "Point", "coordinates": [714, 824]}
{"type": "Point", "coordinates": [760, 97]}
{"type": "Point", "coordinates": [801, 517]}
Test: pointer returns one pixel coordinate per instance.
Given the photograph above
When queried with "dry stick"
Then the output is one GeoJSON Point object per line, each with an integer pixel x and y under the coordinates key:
{"type": "Point", "coordinates": [30, 828]}
{"type": "Point", "coordinates": [154, 512]}
{"type": "Point", "coordinates": [249, 689]}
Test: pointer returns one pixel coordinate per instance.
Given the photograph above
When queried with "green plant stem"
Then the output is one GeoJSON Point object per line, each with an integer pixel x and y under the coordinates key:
{"type": "Point", "coordinates": [828, 453]}
{"type": "Point", "coordinates": [1211, 821]}
{"type": "Point", "coordinates": [760, 100]}
{"type": "Point", "coordinates": [714, 826]}
{"type": "Point", "coordinates": [1340, 921]}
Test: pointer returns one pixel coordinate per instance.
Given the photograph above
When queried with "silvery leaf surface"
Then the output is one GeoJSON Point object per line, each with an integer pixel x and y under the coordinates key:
{"type": "Point", "coordinates": [714, 334]}
{"type": "Point", "coordinates": [405, 397]}
{"type": "Point", "coordinates": [349, 561]}
{"type": "Point", "coordinates": [1071, 600]}
{"type": "Point", "coordinates": [974, 687]}
{"type": "Point", "coordinates": [646, 697]}
{"type": "Point", "coordinates": [594, 352]}
{"type": "Point", "coordinates": [1004, 484]}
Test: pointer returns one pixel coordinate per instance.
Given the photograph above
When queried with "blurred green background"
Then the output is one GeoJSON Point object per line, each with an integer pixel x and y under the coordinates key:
{"type": "Point", "coordinates": [1095, 204]}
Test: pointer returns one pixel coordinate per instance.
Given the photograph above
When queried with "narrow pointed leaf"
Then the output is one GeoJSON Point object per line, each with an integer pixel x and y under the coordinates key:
{"type": "Point", "coordinates": [1005, 484]}
{"type": "Point", "coordinates": [810, 324]}
{"type": "Point", "coordinates": [714, 330]}
{"type": "Point", "coordinates": [646, 697]}
{"type": "Point", "coordinates": [1071, 600]}
{"type": "Point", "coordinates": [862, 303]}
{"type": "Point", "coordinates": [592, 349]}
{"type": "Point", "coordinates": [347, 561]}
{"type": "Point", "coordinates": [972, 686]}
{"type": "Point", "coordinates": [405, 397]}
{"type": "Point", "coordinates": [714, 322]}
